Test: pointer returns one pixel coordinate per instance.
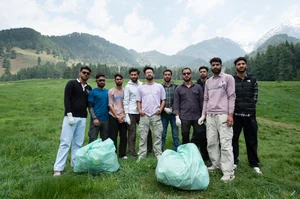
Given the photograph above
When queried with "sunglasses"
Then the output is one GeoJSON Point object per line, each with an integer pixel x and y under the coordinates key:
{"type": "Point", "coordinates": [186, 73]}
{"type": "Point", "coordinates": [86, 73]}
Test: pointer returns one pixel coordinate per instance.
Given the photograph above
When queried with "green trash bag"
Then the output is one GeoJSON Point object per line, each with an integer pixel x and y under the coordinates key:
{"type": "Point", "coordinates": [97, 157]}
{"type": "Point", "coordinates": [183, 169]}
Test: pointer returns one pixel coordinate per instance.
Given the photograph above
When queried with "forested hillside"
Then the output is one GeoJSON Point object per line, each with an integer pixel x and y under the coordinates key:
{"type": "Point", "coordinates": [277, 63]}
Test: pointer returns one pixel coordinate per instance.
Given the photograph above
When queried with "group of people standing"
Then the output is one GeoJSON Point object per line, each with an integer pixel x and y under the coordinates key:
{"type": "Point", "coordinates": [218, 108]}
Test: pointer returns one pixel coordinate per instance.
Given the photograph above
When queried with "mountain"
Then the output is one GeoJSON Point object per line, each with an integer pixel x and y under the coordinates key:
{"type": "Point", "coordinates": [157, 58]}
{"type": "Point", "coordinates": [217, 47]}
{"type": "Point", "coordinates": [290, 27]}
{"type": "Point", "coordinates": [247, 46]}
{"type": "Point", "coordinates": [275, 40]}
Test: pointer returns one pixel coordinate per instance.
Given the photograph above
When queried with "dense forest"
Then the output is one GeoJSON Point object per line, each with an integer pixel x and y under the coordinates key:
{"type": "Point", "coordinates": [277, 63]}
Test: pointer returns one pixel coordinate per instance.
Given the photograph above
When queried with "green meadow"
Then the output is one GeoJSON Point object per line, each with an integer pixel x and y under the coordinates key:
{"type": "Point", "coordinates": [31, 113]}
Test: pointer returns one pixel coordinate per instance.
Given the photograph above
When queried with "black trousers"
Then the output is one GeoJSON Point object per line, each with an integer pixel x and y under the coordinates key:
{"type": "Point", "coordinates": [114, 128]}
{"type": "Point", "coordinates": [198, 137]}
{"type": "Point", "coordinates": [250, 128]}
{"type": "Point", "coordinates": [94, 131]}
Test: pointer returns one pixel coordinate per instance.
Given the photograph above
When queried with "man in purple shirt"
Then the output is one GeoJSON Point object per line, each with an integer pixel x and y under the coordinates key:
{"type": "Point", "coordinates": [218, 107]}
{"type": "Point", "coordinates": [150, 99]}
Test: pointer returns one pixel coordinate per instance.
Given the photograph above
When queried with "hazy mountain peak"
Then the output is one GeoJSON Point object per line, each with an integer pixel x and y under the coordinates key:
{"type": "Point", "coordinates": [290, 27]}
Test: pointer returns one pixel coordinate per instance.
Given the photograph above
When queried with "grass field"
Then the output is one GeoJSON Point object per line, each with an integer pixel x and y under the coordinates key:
{"type": "Point", "coordinates": [30, 126]}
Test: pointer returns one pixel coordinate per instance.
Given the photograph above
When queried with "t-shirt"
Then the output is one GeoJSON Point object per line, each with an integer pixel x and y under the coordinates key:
{"type": "Point", "coordinates": [100, 99]}
{"type": "Point", "coordinates": [150, 95]}
{"type": "Point", "coordinates": [115, 100]}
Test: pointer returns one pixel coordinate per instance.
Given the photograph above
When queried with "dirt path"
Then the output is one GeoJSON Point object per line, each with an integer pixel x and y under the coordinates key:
{"type": "Point", "coordinates": [284, 125]}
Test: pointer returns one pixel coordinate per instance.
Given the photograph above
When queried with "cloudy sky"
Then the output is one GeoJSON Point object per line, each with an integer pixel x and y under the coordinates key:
{"type": "Point", "coordinates": [163, 25]}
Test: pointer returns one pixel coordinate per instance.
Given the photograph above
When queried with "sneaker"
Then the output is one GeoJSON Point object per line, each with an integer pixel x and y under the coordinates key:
{"type": "Point", "coordinates": [234, 166]}
{"type": "Point", "coordinates": [57, 173]}
{"type": "Point", "coordinates": [257, 170]}
{"type": "Point", "coordinates": [227, 178]}
{"type": "Point", "coordinates": [139, 159]}
{"type": "Point", "coordinates": [125, 157]}
{"type": "Point", "coordinates": [212, 168]}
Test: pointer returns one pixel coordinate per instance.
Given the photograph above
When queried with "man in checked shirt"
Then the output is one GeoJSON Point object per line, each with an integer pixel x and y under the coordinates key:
{"type": "Point", "coordinates": [244, 117]}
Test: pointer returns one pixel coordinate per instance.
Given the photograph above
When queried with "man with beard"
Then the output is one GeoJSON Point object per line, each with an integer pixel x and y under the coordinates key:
{"type": "Point", "coordinates": [74, 123]}
{"type": "Point", "coordinates": [150, 99]}
{"type": "Point", "coordinates": [117, 116]}
{"type": "Point", "coordinates": [218, 107]}
{"type": "Point", "coordinates": [98, 107]}
{"type": "Point", "coordinates": [246, 90]}
{"type": "Point", "coordinates": [167, 115]}
{"type": "Point", "coordinates": [203, 72]}
{"type": "Point", "coordinates": [188, 101]}
{"type": "Point", "coordinates": [132, 113]}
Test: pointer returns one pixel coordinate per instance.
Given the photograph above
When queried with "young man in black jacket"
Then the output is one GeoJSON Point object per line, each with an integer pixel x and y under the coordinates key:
{"type": "Point", "coordinates": [246, 89]}
{"type": "Point", "coordinates": [74, 123]}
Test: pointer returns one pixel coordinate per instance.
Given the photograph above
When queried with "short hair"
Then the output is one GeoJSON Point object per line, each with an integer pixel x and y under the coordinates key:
{"type": "Point", "coordinates": [85, 67]}
{"type": "Point", "coordinates": [167, 70]}
{"type": "Point", "coordinates": [118, 75]}
{"type": "Point", "coordinates": [203, 67]}
{"type": "Point", "coordinates": [186, 68]}
{"type": "Point", "coordinates": [133, 70]}
{"type": "Point", "coordinates": [215, 59]}
{"type": "Point", "coordinates": [99, 75]}
{"type": "Point", "coordinates": [148, 68]}
{"type": "Point", "coordinates": [240, 59]}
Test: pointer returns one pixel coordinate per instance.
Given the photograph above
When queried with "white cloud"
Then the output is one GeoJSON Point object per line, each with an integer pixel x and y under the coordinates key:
{"type": "Point", "coordinates": [63, 6]}
{"type": "Point", "coordinates": [135, 24]}
{"type": "Point", "coordinates": [290, 12]}
{"type": "Point", "coordinates": [201, 7]}
{"type": "Point", "coordinates": [98, 14]}
{"type": "Point", "coordinates": [200, 33]}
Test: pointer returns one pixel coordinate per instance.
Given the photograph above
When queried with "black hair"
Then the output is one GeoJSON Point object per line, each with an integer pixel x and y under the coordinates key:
{"type": "Point", "coordinates": [240, 59]}
{"type": "Point", "coordinates": [203, 67]}
{"type": "Point", "coordinates": [186, 68]}
{"type": "Point", "coordinates": [147, 68]}
{"type": "Point", "coordinates": [215, 59]}
{"type": "Point", "coordinates": [167, 70]}
{"type": "Point", "coordinates": [118, 75]}
{"type": "Point", "coordinates": [134, 70]}
{"type": "Point", "coordinates": [99, 75]}
{"type": "Point", "coordinates": [85, 67]}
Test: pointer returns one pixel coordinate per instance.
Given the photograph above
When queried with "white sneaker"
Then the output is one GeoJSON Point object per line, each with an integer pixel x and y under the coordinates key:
{"type": "Point", "coordinates": [234, 166]}
{"type": "Point", "coordinates": [125, 157]}
{"type": "Point", "coordinates": [257, 170]}
{"type": "Point", "coordinates": [57, 173]}
{"type": "Point", "coordinates": [227, 178]}
{"type": "Point", "coordinates": [139, 159]}
{"type": "Point", "coordinates": [212, 168]}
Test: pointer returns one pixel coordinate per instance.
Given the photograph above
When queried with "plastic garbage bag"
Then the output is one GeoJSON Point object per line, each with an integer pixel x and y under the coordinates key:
{"type": "Point", "coordinates": [183, 169]}
{"type": "Point", "coordinates": [97, 157]}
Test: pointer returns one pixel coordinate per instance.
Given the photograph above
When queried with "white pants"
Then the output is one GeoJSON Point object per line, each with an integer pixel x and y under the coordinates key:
{"type": "Point", "coordinates": [219, 134]}
{"type": "Point", "coordinates": [70, 133]}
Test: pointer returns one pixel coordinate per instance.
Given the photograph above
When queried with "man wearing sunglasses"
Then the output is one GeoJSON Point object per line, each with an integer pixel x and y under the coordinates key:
{"type": "Point", "coordinates": [98, 107]}
{"type": "Point", "coordinates": [188, 100]}
{"type": "Point", "coordinates": [74, 123]}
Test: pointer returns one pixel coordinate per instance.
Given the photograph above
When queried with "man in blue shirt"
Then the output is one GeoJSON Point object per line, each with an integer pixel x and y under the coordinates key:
{"type": "Point", "coordinates": [98, 107]}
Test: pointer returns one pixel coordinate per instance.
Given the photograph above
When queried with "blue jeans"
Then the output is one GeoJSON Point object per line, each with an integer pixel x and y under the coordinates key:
{"type": "Point", "coordinates": [165, 121]}
{"type": "Point", "coordinates": [70, 133]}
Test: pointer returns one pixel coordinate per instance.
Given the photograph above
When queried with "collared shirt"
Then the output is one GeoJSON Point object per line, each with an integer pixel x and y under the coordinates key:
{"type": "Point", "coordinates": [169, 94]}
{"type": "Point", "coordinates": [188, 101]}
{"type": "Point", "coordinates": [219, 95]}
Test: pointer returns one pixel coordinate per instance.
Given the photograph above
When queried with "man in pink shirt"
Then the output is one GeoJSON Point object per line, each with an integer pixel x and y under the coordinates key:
{"type": "Point", "coordinates": [218, 107]}
{"type": "Point", "coordinates": [150, 99]}
{"type": "Point", "coordinates": [117, 115]}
